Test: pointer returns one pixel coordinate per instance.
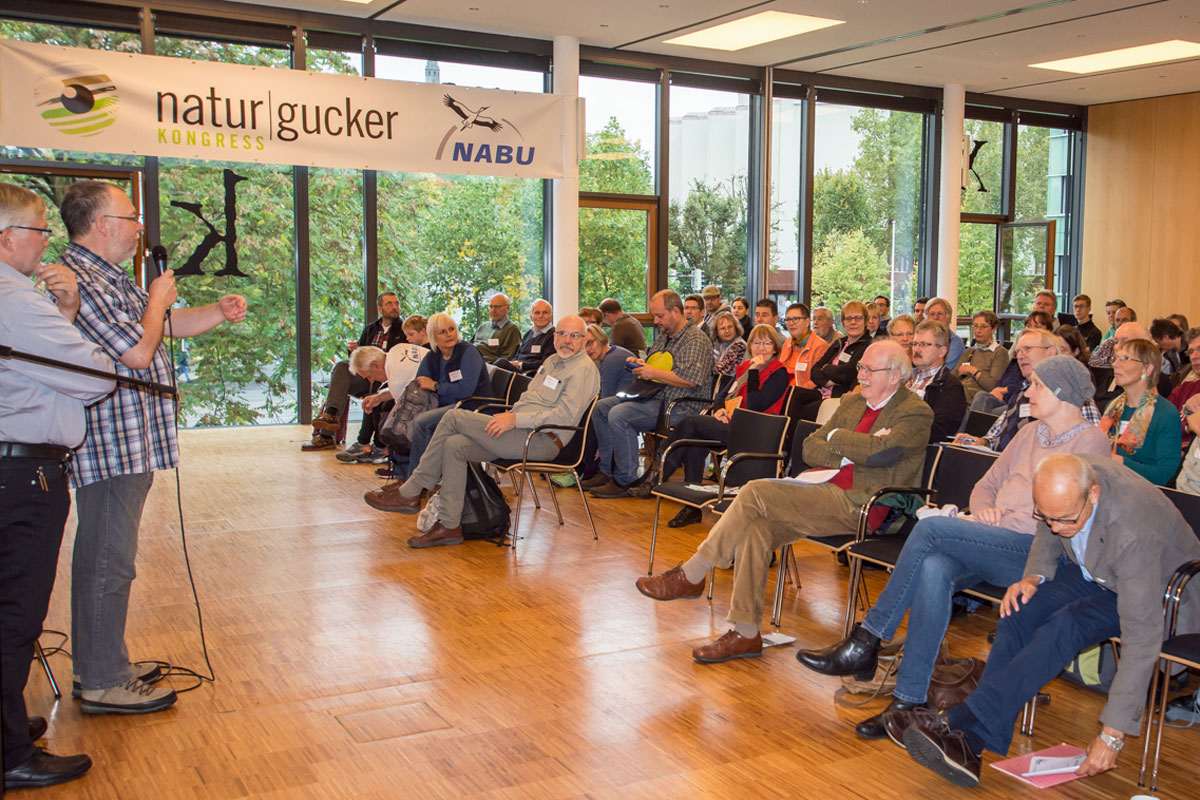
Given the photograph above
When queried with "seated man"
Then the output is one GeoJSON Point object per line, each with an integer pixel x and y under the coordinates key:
{"type": "Point", "coordinates": [538, 343]}
{"type": "Point", "coordinates": [940, 310]}
{"type": "Point", "coordinates": [1126, 317]}
{"type": "Point", "coordinates": [1045, 301]}
{"type": "Point", "coordinates": [559, 394]}
{"type": "Point", "coordinates": [370, 365]}
{"type": "Point", "coordinates": [713, 305]}
{"type": "Point", "coordinates": [876, 438]}
{"type": "Point", "coordinates": [1169, 338]}
{"type": "Point", "coordinates": [623, 329]}
{"type": "Point", "coordinates": [499, 337]}
{"type": "Point", "coordinates": [1096, 570]}
{"type": "Point", "coordinates": [766, 312]}
{"type": "Point", "coordinates": [822, 324]}
{"type": "Point", "coordinates": [933, 382]}
{"type": "Point", "coordinates": [1082, 305]}
{"type": "Point", "coordinates": [1110, 311]}
{"type": "Point", "coordinates": [383, 333]}
{"type": "Point", "coordinates": [946, 554]}
{"type": "Point", "coordinates": [984, 363]}
{"type": "Point", "coordinates": [618, 421]}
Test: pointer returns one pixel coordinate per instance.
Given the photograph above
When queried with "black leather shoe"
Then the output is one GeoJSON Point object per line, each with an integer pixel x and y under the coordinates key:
{"type": "Point", "coordinates": [686, 516]}
{"type": "Point", "coordinates": [858, 656]}
{"type": "Point", "coordinates": [44, 769]}
{"type": "Point", "coordinates": [873, 727]}
{"type": "Point", "coordinates": [37, 728]}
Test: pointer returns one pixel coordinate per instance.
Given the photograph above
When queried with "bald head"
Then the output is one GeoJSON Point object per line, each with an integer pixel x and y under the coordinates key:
{"type": "Point", "coordinates": [541, 313]}
{"type": "Point", "coordinates": [498, 307]}
{"type": "Point", "coordinates": [1131, 330]}
{"type": "Point", "coordinates": [1064, 491]}
{"type": "Point", "coordinates": [566, 343]}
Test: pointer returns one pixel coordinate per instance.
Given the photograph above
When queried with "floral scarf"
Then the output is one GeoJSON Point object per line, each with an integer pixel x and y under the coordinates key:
{"type": "Point", "coordinates": [1134, 436]}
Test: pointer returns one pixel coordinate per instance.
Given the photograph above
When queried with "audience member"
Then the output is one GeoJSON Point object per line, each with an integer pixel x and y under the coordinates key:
{"type": "Point", "coordinates": [693, 310]}
{"type": "Point", "coordinates": [940, 310]}
{"type": "Point", "coordinates": [741, 312]}
{"type": "Point", "coordinates": [1169, 338]}
{"type": "Point", "coordinates": [1082, 305]}
{"type": "Point", "coordinates": [766, 312]}
{"type": "Point", "coordinates": [1142, 426]}
{"type": "Point", "coordinates": [801, 352]}
{"type": "Point", "coordinates": [945, 554]}
{"type": "Point", "coordinates": [836, 371]}
{"type": "Point", "coordinates": [822, 324]}
{"type": "Point", "coordinates": [933, 382]}
{"type": "Point", "coordinates": [415, 330]}
{"type": "Point", "coordinates": [884, 304]}
{"type": "Point", "coordinates": [383, 333]}
{"type": "Point", "coordinates": [369, 364]}
{"type": "Point", "coordinates": [538, 343]}
{"type": "Point", "coordinates": [1064, 603]}
{"type": "Point", "coordinates": [901, 330]}
{"type": "Point", "coordinates": [1186, 394]}
{"type": "Point", "coordinates": [1102, 356]}
{"type": "Point", "coordinates": [1188, 479]}
{"type": "Point", "coordinates": [454, 370]}
{"type": "Point", "coordinates": [761, 385]}
{"type": "Point", "coordinates": [1110, 311]}
{"type": "Point", "coordinates": [1125, 314]}
{"type": "Point", "coordinates": [1045, 301]}
{"type": "Point", "coordinates": [624, 330]}
{"type": "Point", "coordinates": [499, 337]}
{"type": "Point", "coordinates": [984, 362]}
{"type": "Point", "coordinates": [618, 421]}
{"type": "Point", "coordinates": [610, 360]}
{"type": "Point", "coordinates": [713, 306]}
{"type": "Point", "coordinates": [729, 348]}
{"type": "Point", "coordinates": [1074, 339]}
{"type": "Point", "coordinates": [558, 395]}
{"type": "Point", "coordinates": [874, 329]}
{"type": "Point", "coordinates": [876, 438]}
{"type": "Point", "coordinates": [591, 316]}
{"type": "Point", "coordinates": [919, 309]}
{"type": "Point", "coordinates": [1040, 320]}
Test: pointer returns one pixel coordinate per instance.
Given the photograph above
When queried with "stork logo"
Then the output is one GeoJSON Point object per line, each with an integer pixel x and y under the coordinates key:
{"type": "Point", "coordinates": [481, 152]}
{"type": "Point", "coordinates": [77, 100]}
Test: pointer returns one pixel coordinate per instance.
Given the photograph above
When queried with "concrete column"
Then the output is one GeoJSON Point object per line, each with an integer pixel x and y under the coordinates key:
{"type": "Point", "coordinates": [565, 282]}
{"type": "Point", "coordinates": [953, 106]}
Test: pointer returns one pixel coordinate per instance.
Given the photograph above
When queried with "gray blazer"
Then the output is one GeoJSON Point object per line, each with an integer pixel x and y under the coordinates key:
{"type": "Point", "coordinates": [1138, 540]}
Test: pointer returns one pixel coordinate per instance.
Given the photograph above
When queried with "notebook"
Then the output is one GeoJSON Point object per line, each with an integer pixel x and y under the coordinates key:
{"type": "Point", "coordinates": [1018, 766]}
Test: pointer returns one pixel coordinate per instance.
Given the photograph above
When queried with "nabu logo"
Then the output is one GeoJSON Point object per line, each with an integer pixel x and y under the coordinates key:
{"type": "Point", "coordinates": [78, 101]}
{"type": "Point", "coordinates": [482, 152]}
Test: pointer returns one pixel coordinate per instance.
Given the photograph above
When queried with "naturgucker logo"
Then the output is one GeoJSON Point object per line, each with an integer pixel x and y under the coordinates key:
{"type": "Point", "coordinates": [485, 152]}
{"type": "Point", "coordinates": [77, 100]}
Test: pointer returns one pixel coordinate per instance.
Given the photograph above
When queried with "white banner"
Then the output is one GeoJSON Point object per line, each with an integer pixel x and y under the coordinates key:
{"type": "Point", "coordinates": [103, 102]}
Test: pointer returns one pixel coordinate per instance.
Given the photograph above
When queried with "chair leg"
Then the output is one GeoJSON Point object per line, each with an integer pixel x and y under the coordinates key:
{"type": "Point", "coordinates": [654, 535]}
{"type": "Point", "coordinates": [516, 527]}
{"type": "Point", "coordinates": [41, 657]}
{"type": "Point", "coordinates": [587, 509]}
{"type": "Point", "coordinates": [537, 501]}
{"type": "Point", "coordinates": [553, 497]}
{"type": "Point", "coordinates": [1162, 719]}
{"type": "Point", "coordinates": [712, 579]}
{"type": "Point", "coordinates": [780, 582]}
{"type": "Point", "coordinates": [793, 569]}
{"type": "Point", "coordinates": [852, 602]}
{"type": "Point", "coordinates": [1151, 709]}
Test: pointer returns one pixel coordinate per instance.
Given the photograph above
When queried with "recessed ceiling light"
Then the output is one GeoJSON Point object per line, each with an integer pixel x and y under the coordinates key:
{"type": "Point", "coordinates": [1158, 52]}
{"type": "Point", "coordinates": [362, 2]}
{"type": "Point", "coordinates": [766, 26]}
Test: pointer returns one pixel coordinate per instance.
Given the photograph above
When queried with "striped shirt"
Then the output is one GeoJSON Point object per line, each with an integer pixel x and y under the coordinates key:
{"type": "Point", "coordinates": [133, 430]}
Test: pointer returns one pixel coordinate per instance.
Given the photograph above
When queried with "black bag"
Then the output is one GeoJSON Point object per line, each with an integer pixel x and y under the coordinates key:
{"type": "Point", "coordinates": [485, 512]}
{"type": "Point", "coordinates": [397, 429]}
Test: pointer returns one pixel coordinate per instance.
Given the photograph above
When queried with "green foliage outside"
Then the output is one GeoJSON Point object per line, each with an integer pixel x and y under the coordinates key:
{"type": "Point", "coordinates": [708, 236]}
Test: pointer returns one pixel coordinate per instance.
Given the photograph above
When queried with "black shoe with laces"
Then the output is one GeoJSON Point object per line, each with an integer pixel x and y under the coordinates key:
{"type": "Point", "coordinates": [45, 769]}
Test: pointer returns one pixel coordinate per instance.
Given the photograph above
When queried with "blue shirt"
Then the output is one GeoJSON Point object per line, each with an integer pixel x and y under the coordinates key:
{"type": "Point", "coordinates": [1079, 543]}
{"type": "Point", "coordinates": [957, 347]}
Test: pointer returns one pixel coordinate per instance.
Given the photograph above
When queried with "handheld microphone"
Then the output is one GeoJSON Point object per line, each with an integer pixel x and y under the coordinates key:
{"type": "Point", "coordinates": [158, 257]}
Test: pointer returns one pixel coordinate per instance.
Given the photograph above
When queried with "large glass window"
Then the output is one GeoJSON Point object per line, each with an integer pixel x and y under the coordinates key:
{"type": "Point", "coordinates": [1044, 157]}
{"type": "Point", "coordinates": [787, 184]}
{"type": "Point", "coordinates": [866, 205]}
{"type": "Point", "coordinates": [710, 159]}
{"type": "Point", "coordinates": [985, 156]}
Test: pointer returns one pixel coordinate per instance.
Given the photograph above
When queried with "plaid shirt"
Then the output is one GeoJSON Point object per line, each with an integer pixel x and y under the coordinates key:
{"type": "Point", "coordinates": [133, 430]}
{"type": "Point", "coordinates": [692, 355]}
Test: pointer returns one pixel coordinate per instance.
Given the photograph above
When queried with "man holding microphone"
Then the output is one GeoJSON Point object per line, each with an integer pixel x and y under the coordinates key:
{"type": "Point", "coordinates": [41, 422]}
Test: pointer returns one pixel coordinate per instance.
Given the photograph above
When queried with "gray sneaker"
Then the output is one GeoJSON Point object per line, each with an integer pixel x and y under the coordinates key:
{"type": "Point", "coordinates": [133, 697]}
{"type": "Point", "coordinates": [375, 455]}
{"type": "Point", "coordinates": [145, 671]}
{"type": "Point", "coordinates": [350, 454]}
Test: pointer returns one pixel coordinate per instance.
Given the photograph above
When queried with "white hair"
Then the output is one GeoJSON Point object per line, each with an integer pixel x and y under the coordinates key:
{"type": "Point", "coordinates": [365, 357]}
{"type": "Point", "coordinates": [438, 322]}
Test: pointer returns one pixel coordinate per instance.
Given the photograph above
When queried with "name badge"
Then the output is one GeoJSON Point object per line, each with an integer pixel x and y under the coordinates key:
{"type": "Point", "coordinates": [535, 349]}
{"type": "Point", "coordinates": [551, 382]}
{"type": "Point", "coordinates": [801, 366]}
{"type": "Point", "coordinates": [1023, 410]}
{"type": "Point", "coordinates": [493, 342]}
{"type": "Point", "coordinates": [844, 358]}
{"type": "Point", "coordinates": [455, 375]}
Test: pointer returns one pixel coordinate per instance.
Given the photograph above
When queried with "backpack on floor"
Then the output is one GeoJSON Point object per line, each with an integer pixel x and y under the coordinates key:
{"type": "Point", "coordinates": [485, 512]}
{"type": "Point", "coordinates": [1093, 668]}
{"type": "Point", "coordinates": [397, 429]}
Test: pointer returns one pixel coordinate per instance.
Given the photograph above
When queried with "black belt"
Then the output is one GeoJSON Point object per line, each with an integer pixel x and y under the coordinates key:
{"type": "Point", "coordinates": [47, 452]}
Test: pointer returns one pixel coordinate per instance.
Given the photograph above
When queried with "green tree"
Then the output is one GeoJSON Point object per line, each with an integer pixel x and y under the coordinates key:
{"type": "Point", "coordinates": [840, 204]}
{"type": "Point", "coordinates": [848, 267]}
{"type": "Point", "coordinates": [708, 234]}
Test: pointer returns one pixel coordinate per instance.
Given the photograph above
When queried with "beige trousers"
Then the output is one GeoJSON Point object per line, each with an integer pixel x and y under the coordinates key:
{"type": "Point", "coordinates": [766, 515]}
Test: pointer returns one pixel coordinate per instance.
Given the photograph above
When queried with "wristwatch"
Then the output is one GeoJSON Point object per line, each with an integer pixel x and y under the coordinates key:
{"type": "Point", "coordinates": [1114, 743]}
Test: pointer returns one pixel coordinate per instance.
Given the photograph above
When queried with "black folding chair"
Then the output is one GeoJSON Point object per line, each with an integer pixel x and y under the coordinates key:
{"type": "Point", "coordinates": [979, 423]}
{"type": "Point", "coordinates": [495, 392]}
{"type": "Point", "coordinates": [755, 450]}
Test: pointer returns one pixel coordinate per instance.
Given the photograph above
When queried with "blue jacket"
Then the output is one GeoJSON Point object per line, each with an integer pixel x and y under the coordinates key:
{"type": "Point", "coordinates": [465, 363]}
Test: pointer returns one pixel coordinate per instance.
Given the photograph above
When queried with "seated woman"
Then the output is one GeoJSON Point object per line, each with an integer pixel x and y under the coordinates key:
{"type": "Point", "coordinates": [1186, 394]}
{"type": "Point", "coordinates": [837, 371]}
{"type": "Point", "coordinates": [1074, 339]}
{"type": "Point", "coordinates": [760, 385]}
{"type": "Point", "coordinates": [729, 348]}
{"type": "Point", "coordinates": [609, 359]}
{"type": "Point", "coordinates": [1142, 426]}
{"type": "Point", "coordinates": [902, 329]}
{"type": "Point", "coordinates": [874, 329]}
{"type": "Point", "coordinates": [946, 554]}
{"type": "Point", "coordinates": [984, 362]}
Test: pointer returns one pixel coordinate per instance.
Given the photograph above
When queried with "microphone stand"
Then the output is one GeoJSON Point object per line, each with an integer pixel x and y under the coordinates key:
{"type": "Point", "coordinates": [161, 388]}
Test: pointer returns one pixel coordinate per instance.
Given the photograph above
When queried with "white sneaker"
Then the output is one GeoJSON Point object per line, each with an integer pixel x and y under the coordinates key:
{"type": "Point", "coordinates": [133, 697]}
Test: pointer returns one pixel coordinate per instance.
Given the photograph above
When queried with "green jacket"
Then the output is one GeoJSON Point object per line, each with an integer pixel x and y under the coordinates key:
{"type": "Point", "coordinates": [892, 459]}
{"type": "Point", "coordinates": [506, 341]}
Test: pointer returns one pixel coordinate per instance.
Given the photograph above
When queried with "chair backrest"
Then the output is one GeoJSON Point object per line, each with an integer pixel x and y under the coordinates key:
{"type": "Point", "coordinates": [1188, 505]}
{"type": "Point", "coordinates": [754, 432]}
{"type": "Point", "coordinates": [517, 387]}
{"type": "Point", "coordinates": [720, 387]}
{"type": "Point", "coordinates": [958, 470]}
{"type": "Point", "coordinates": [572, 453]}
{"type": "Point", "coordinates": [803, 427]}
{"type": "Point", "coordinates": [932, 453]}
{"type": "Point", "coordinates": [979, 422]}
{"type": "Point", "coordinates": [501, 380]}
{"type": "Point", "coordinates": [827, 409]}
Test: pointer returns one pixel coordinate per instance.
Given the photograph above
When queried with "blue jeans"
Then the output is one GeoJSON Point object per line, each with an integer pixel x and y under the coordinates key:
{"type": "Point", "coordinates": [942, 556]}
{"type": "Point", "coordinates": [423, 428]}
{"type": "Point", "coordinates": [1065, 616]}
{"type": "Point", "coordinates": [102, 571]}
{"type": "Point", "coordinates": [618, 423]}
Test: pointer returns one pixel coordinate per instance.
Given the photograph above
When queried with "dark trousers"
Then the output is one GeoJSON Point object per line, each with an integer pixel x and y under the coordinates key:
{"type": "Point", "coordinates": [1065, 616]}
{"type": "Point", "coordinates": [695, 426]}
{"type": "Point", "coordinates": [31, 530]}
{"type": "Point", "coordinates": [342, 386]}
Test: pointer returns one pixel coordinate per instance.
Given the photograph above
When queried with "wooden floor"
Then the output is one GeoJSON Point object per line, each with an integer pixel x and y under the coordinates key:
{"type": "Point", "coordinates": [349, 666]}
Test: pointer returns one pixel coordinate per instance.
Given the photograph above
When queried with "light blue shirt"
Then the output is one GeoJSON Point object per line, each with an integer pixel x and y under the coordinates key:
{"type": "Point", "coordinates": [1079, 543]}
{"type": "Point", "coordinates": [957, 348]}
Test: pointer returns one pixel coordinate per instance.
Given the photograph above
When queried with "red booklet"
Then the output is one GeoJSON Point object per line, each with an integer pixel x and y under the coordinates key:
{"type": "Point", "coordinates": [1019, 766]}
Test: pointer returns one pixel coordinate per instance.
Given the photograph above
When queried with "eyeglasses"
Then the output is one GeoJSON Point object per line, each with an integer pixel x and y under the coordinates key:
{"type": "Point", "coordinates": [853, 318]}
{"type": "Point", "coordinates": [1127, 358]}
{"type": "Point", "coordinates": [45, 232]}
{"type": "Point", "coordinates": [1026, 348]}
{"type": "Point", "coordinates": [864, 368]}
{"type": "Point", "coordinates": [794, 319]}
{"type": "Point", "coordinates": [570, 335]}
{"type": "Point", "coordinates": [923, 345]}
{"type": "Point", "coordinates": [130, 217]}
{"type": "Point", "coordinates": [1040, 517]}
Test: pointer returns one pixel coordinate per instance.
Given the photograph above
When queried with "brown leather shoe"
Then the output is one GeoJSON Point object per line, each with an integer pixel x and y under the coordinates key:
{"type": "Point", "coordinates": [388, 498]}
{"type": "Point", "coordinates": [437, 536]}
{"type": "Point", "coordinates": [326, 423]}
{"type": "Point", "coordinates": [318, 442]}
{"type": "Point", "coordinates": [671, 585]}
{"type": "Point", "coordinates": [944, 751]}
{"type": "Point", "coordinates": [729, 647]}
{"type": "Point", "coordinates": [900, 716]}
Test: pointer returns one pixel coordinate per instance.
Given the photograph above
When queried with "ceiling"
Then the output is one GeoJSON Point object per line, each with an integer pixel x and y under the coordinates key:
{"type": "Point", "coordinates": [984, 44]}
